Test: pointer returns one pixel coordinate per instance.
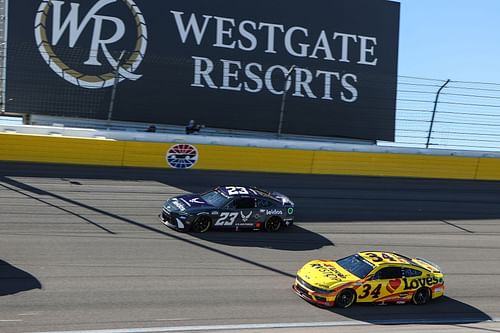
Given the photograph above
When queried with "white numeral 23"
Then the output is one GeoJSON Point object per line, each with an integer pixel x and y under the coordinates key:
{"type": "Point", "coordinates": [224, 216]}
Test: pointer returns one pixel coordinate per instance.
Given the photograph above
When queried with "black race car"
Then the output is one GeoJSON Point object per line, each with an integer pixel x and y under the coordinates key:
{"type": "Point", "coordinates": [228, 207]}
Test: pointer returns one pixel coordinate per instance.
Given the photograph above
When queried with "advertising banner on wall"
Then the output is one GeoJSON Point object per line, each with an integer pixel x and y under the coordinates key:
{"type": "Point", "coordinates": [226, 64]}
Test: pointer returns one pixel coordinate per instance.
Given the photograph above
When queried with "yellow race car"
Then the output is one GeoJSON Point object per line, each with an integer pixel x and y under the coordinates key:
{"type": "Point", "coordinates": [370, 276]}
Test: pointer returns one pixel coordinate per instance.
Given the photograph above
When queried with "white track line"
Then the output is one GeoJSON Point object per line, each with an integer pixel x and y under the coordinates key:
{"type": "Point", "coordinates": [277, 325]}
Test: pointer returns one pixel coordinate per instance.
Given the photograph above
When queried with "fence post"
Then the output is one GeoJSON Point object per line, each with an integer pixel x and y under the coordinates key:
{"type": "Point", "coordinates": [434, 112]}
{"type": "Point", "coordinates": [115, 84]}
{"type": "Point", "coordinates": [283, 100]}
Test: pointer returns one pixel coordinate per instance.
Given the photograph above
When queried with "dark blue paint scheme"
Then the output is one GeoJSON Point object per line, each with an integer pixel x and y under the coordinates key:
{"type": "Point", "coordinates": [229, 207]}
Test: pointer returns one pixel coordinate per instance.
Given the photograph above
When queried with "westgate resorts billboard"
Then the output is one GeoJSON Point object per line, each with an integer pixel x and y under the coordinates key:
{"type": "Point", "coordinates": [223, 63]}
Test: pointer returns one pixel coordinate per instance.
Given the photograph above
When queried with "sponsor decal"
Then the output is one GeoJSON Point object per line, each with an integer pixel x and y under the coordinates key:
{"type": "Point", "coordinates": [290, 211]}
{"type": "Point", "coordinates": [393, 285]}
{"type": "Point", "coordinates": [178, 205]}
{"type": "Point", "coordinates": [182, 156]}
{"type": "Point", "coordinates": [197, 201]}
{"type": "Point", "coordinates": [274, 212]}
{"type": "Point", "coordinates": [187, 203]}
{"type": "Point", "coordinates": [329, 271]}
{"type": "Point", "coordinates": [67, 18]}
{"type": "Point", "coordinates": [410, 284]}
{"type": "Point", "coordinates": [243, 224]}
{"type": "Point", "coordinates": [245, 217]}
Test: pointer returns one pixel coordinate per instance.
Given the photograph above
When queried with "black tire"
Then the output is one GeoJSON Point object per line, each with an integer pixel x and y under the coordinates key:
{"type": "Point", "coordinates": [422, 296]}
{"type": "Point", "coordinates": [273, 224]}
{"type": "Point", "coordinates": [345, 298]}
{"type": "Point", "coordinates": [201, 224]}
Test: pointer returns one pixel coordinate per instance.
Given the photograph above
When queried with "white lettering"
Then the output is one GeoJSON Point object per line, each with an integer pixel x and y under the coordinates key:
{"type": "Point", "coordinates": [191, 26]}
{"type": "Point", "coordinates": [205, 73]}
{"type": "Point", "coordinates": [75, 30]}
{"type": "Point", "coordinates": [322, 44]}
{"type": "Point", "coordinates": [98, 43]}
{"type": "Point", "coordinates": [254, 77]}
{"type": "Point", "coordinates": [288, 42]}
{"type": "Point", "coordinates": [271, 28]}
{"type": "Point", "coordinates": [349, 87]}
{"type": "Point", "coordinates": [302, 82]}
{"type": "Point", "coordinates": [269, 82]}
{"type": "Point", "coordinates": [227, 74]}
{"type": "Point", "coordinates": [364, 50]}
{"type": "Point", "coordinates": [274, 212]}
{"type": "Point", "coordinates": [328, 83]}
{"type": "Point", "coordinates": [246, 34]}
{"type": "Point", "coordinates": [221, 32]}
{"type": "Point", "coordinates": [345, 44]}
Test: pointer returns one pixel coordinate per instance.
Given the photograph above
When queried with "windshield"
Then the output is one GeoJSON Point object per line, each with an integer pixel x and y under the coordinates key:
{"type": "Point", "coordinates": [214, 198]}
{"type": "Point", "coordinates": [355, 265]}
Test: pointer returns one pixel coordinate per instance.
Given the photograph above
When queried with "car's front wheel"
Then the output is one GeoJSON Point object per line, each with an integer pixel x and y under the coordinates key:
{"type": "Point", "coordinates": [201, 224]}
{"type": "Point", "coordinates": [273, 224]}
{"type": "Point", "coordinates": [345, 298]}
{"type": "Point", "coordinates": [422, 296]}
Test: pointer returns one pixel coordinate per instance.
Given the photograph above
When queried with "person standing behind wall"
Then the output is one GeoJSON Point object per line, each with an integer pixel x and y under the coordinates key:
{"type": "Point", "coordinates": [193, 127]}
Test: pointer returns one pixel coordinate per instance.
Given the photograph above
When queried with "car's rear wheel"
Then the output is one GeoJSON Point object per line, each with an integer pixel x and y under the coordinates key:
{"type": "Point", "coordinates": [201, 224]}
{"type": "Point", "coordinates": [273, 224]}
{"type": "Point", "coordinates": [345, 298]}
{"type": "Point", "coordinates": [422, 296]}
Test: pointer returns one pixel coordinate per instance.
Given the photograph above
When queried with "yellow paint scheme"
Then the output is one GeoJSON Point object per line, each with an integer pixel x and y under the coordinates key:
{"type": "Point", "coordinates": [320, 281]}
{"type": "Point", "coordinates": [100, 151]}
{"type": "Point", "coordinates": [378, 258]}
{"type": "Point", "coordinates": [325, 274]}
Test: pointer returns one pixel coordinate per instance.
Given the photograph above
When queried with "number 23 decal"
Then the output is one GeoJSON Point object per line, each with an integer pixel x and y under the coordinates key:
{"type": "Point", "coordinates": [231, 217]}
{"type": "Point", "coordinates": [235, 190]}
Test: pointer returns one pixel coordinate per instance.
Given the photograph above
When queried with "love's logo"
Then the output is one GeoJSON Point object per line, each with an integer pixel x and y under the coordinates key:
{"type": "Point", "coordinates": [393, 285]}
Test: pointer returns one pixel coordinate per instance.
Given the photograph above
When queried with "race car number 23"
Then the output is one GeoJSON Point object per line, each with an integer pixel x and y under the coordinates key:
{"type": "Point", "coordinates": [226, 219]}
{"type": "Point", "coordinates": [236, 190]}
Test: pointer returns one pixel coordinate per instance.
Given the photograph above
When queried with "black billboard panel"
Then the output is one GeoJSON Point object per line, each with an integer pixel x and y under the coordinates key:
{"type": "Point", "coordinates": [224, 63]}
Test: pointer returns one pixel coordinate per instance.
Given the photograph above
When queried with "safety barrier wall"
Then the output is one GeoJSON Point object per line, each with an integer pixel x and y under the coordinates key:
{"type": "Point", "coordinates": [106, 152]}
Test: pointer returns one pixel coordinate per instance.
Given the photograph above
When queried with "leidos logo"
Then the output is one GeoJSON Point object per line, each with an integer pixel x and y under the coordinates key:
{"type": "Point", "coordinates": [98, 64]}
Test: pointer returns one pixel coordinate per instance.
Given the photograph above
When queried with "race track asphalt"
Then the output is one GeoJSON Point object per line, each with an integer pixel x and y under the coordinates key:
{"type": "Point", "coordinates": [81, 248]}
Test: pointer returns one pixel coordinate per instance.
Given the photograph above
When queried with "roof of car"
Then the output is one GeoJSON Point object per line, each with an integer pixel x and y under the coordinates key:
{"type": "Point", "coordinates": [382, 258]}
{"type": "Point", "coordinates": [378, 258]}
{"type": "Point", "coordinates": [238, 190]}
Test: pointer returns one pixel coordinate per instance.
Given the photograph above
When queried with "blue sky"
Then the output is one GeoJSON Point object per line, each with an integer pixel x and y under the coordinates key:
{"type": "Point", "coordinates": [455, 39]}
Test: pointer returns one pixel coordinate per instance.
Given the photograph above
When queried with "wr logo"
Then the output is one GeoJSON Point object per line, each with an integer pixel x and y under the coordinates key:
{"type": "Point", "coordinates": [72, 25]}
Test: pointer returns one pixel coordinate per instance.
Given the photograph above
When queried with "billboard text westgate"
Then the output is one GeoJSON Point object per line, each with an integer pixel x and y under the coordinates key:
{"type": "Point", "coordinates": [253, 77]}
{"type": "Point", "coordinates": [222, 63]}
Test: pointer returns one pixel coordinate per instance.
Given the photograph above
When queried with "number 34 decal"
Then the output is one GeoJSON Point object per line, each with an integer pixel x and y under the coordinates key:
{"type": "Point", "coordinates": [367, 291]}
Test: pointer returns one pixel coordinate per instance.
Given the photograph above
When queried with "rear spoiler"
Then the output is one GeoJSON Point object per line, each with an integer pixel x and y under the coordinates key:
{"type": "Point", "coordinates": [428, 265]}
{"type": "Point", "coordinates": [283, 198]}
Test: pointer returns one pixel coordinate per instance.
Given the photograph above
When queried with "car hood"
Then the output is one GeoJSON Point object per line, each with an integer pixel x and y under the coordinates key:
{"type": "Point", "coordinates": [187, 203]}
{"type": "Point", "coordinates": [325, 274]}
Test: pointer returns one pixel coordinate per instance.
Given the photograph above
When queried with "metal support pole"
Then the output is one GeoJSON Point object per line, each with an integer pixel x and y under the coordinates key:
{"type": "Point", "coordinates": [115, 84]}
{"type": "Point", "coordinates": [434, 112]}
{"type": "Point", "coordinates": [283, 99]}
{"type": "Point", "coordinates": [5, 25]}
